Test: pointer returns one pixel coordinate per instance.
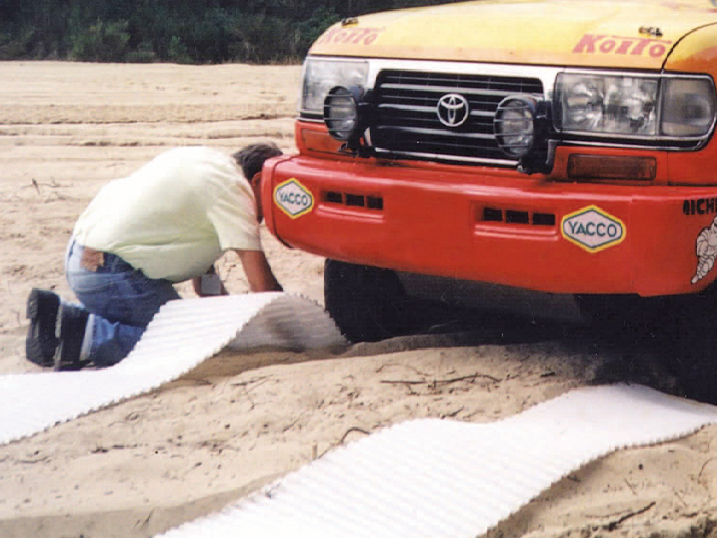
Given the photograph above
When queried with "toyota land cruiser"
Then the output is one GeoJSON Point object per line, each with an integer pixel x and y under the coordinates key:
{"type": "Point", "coordinates": [552, 145]}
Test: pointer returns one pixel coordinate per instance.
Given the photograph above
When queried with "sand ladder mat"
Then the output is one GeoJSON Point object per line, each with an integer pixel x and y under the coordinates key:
{"type": "Point", "coordinates": [435, 478]}
{"type": "Point", "coordinates": [422, 478]}
{"type": "Point", "coordinates": [182, 335]}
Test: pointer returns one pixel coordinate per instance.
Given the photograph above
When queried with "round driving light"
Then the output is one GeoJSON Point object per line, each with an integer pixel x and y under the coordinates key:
{"type": "Point", "coordinates": [514, 126]}
{"type": "Point", "coordinates": [341, 113]}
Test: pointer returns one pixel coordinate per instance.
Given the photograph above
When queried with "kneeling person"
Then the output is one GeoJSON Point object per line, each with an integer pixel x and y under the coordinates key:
{"type": "Point", "coordinates": [166, 223]}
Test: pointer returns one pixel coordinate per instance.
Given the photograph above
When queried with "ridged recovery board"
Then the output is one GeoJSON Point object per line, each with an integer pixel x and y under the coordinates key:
{"type": "Point", "coordinates": [182, 335]}
{"type": "Point", "coordinates": [423, 478]}
{"type": "Point", "coordinates": [435, 478]}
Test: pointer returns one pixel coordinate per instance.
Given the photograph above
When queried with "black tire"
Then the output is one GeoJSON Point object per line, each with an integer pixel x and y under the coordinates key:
{"type": "Point", "coordinates": [681, 329]}
{"type": "Point", "coordinates": [692, 352]}
{"type": "Point", "coordinates": [367, 303]}
{"type": "Point", "coordinates": [622, 316]}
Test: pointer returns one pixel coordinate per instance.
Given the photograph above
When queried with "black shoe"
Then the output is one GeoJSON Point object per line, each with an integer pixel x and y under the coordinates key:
{"type": "Point", "coordinates": [42, 311]}
{"type": "Point", "coordinates": [72, 323]}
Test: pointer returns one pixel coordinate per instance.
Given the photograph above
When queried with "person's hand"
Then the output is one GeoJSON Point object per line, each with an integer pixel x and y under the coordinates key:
{"type": "Point", "coordinates": [209, 284]}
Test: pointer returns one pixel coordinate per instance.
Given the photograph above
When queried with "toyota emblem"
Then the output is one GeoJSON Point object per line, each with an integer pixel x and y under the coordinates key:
{"type": "Point", "coordinates": [452, 110]}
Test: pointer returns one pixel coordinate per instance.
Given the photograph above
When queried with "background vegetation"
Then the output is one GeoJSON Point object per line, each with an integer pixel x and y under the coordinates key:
{"type": "Point", "coordinates": [182, 31]}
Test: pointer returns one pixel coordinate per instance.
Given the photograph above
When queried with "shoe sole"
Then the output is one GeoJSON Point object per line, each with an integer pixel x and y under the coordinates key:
{"type": "Point", "coordinates": [41, 341]}
{"type": "Point", "coordinates": [67, 355]}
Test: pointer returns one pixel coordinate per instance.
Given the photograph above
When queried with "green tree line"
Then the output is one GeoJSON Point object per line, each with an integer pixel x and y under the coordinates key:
{"type": "Point", "coordinates": [181, 31]}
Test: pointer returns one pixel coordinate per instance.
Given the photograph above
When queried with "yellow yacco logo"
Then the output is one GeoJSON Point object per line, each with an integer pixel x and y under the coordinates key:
{"type": "Point", "coordinates": [293, 198]}
{"type": "Point", "coordinates": [593, 229]}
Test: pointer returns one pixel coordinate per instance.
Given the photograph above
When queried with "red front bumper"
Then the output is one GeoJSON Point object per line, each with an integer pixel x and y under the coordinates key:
{"type": "Point", "coordinates": [491, 225]}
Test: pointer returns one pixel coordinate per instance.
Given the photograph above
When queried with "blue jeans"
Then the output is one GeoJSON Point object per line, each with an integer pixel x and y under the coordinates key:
{"type": "Point", "coordinates": [121, 301]}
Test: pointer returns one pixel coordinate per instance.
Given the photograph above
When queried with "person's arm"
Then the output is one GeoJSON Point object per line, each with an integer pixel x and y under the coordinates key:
{"type": "Point", "coordinates": [258, 272]}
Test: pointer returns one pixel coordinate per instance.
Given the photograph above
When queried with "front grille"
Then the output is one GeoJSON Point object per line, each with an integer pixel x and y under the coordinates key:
{"type": "Point", "coordinates": [408, 123]}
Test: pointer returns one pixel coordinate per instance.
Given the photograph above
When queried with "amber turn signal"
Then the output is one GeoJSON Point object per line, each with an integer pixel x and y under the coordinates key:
{"type": "Point", "coordinates": [320, 141]}
{"type": "Point", "coordinates": [596, 167]}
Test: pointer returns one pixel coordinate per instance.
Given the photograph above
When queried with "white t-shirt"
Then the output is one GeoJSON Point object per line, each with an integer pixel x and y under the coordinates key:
{"type": "Point", "coordinates": [175, 216]}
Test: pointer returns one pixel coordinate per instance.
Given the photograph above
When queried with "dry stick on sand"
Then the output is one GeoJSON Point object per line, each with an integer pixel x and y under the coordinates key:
{"type": "Point", "coordinates": [343, 438]}
{"type": "Point", "coordinates": [436, 382]}
{"type": "Point", "coordinates": [614, 524]}
{"type": "Point", "coordinates": [36, 186]}
{"type": "Point", "coordinates": [699, 476]}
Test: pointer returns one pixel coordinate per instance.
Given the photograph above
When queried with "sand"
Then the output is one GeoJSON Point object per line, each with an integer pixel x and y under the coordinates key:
{"type": "Point", "coordinates": [242, 420]}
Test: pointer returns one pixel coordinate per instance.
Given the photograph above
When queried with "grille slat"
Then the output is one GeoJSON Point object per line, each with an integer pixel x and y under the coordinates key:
{"type": "Point", "coordinates": [439, 132]}
{"type": "Point", "coordinates": [408, 122]}
{"type": "Point", "coordinates": [451, 89]}
{"type": "Point", "coordinates": [430, 110]}
{"type": "Point", "coordinates": [512, 84]}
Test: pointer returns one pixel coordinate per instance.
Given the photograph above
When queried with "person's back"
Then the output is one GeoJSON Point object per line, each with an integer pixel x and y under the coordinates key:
{"type": "Point", "coordinates": [173, 217]}
{"type": "Point", "coordinates": [168, 222]}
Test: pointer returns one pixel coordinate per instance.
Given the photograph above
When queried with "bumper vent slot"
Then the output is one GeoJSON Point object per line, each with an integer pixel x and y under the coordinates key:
{"type": "Point", "coordinates": [543, 219]}
{"type": "Point", "coordinates": [492, 215]}
{"type": "Point", "coordinates": [517, 217]}
{"type": "Point", "coordinates": [408, 114]}
{"type": "Point", "coordinates": [512, 216]}
{"type": "Point", "coordinates": [354, 200]}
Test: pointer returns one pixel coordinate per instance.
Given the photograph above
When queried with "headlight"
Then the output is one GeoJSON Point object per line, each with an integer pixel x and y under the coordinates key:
{"type": "Point", "coordinates": [320, 76]}
{"type": "Point", "coordinates": [688, 107]}
{"type": "Point", "coordinates": [649, 107]}
{"type": "Point", "coordinates": [341, 113]}
{"type": "Point", "coordinates": [605, 104]}
{"type": "Point", "coordinates": [520, 126]}
{"type": "Point", "coordinates": [514, 127]}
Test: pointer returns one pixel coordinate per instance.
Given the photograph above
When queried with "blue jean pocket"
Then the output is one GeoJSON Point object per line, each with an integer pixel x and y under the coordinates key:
{"type": "Point", "coordinates": [116, 291]}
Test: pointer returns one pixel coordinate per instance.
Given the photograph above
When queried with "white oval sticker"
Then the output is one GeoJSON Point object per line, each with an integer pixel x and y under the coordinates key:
{"type": "Point", "coordinates": [593, 229]}
{"type": "Point", "coordinates": [293, 198]}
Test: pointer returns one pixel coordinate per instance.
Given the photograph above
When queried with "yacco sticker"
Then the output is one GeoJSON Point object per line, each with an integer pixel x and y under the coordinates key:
{"type": "Point", "coordinates": [706, 250]}
{"type": "Point", "coordinates": [354, 36]}
{"type": "Point", "coordinates": [593, 229]}
{"type": "Point", "coordinates": [634, 46]}
{"type": "Point", "coordinates": [293, 198]}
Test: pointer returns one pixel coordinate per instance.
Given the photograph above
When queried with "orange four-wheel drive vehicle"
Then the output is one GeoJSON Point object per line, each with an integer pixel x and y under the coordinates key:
{"type": "Point", "coordinates": [551, 145]}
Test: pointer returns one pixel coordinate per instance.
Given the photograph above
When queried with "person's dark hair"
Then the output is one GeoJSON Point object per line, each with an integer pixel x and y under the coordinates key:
{"type": "Point", "coordinates": [252, 157]}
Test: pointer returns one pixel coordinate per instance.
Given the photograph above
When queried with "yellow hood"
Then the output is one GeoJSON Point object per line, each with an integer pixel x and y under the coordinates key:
{"type": "Point", "coordinates": [594, 33]}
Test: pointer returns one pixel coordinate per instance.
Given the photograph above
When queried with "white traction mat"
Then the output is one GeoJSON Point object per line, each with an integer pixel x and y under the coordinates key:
{"type": "Point", "coordinates": [423, 478]}
{"type": "Point", "coordinates": [435, 478]}
{"type": "Point", "coordinates": [182, 335]}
